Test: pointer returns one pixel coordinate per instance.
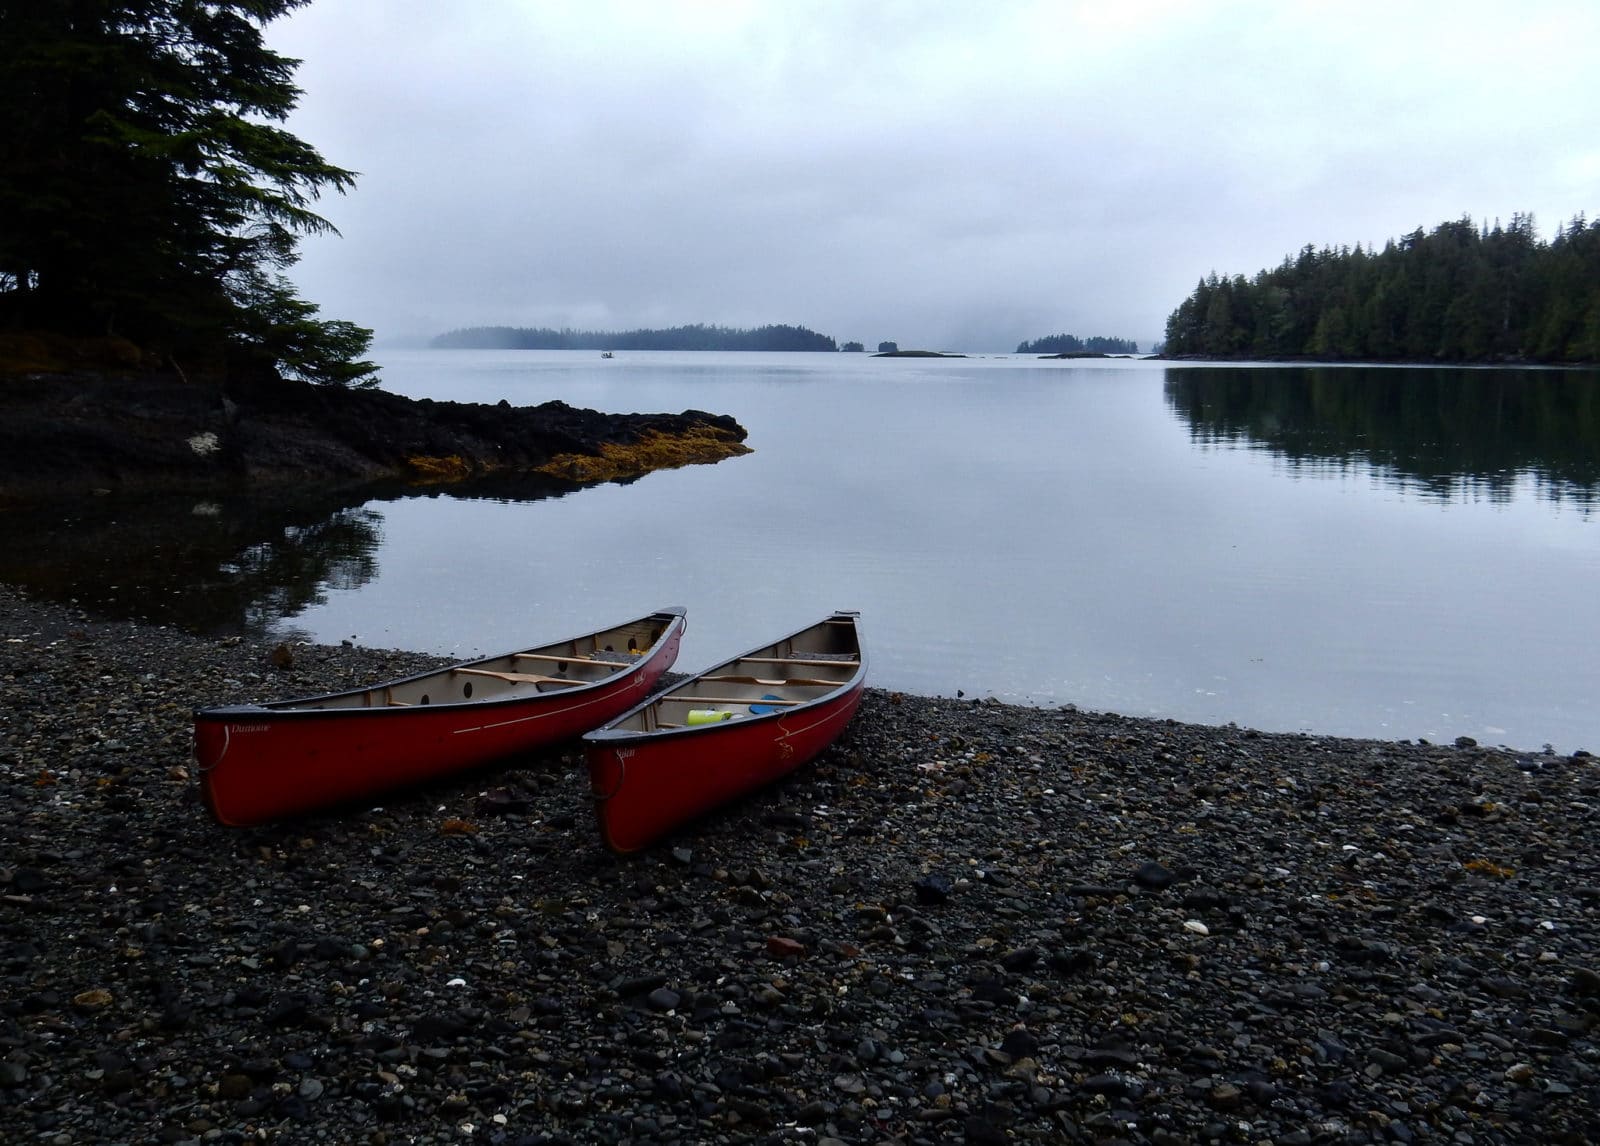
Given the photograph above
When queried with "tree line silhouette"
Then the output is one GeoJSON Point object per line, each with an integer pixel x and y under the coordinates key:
{"type": "Point", "coordinates": [696, 337]}
{"type": "Point", "coordinates": [1072, 344]}
{"type": "Point", "coordinates": [1460, 293]}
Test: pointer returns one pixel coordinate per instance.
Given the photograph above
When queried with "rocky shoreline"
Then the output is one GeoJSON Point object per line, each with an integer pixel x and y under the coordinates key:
{"type": "Point", "coordinates": [71, 434]}
{"type": "Point", "coordinates": [968, 922]}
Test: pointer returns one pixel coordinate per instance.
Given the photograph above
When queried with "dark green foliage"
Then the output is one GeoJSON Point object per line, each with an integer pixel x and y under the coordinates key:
{"type": "Point", "coordinates": [1072, 344]}
{"type": "Point", "coordinates": [277, 326]}
{"type": "Point", "coordinates": [697, 337]}
{"type": "Point", "coordinates": [146, 191]}
{"type": "Point", "coordinates": [1463, 293]}
{"type": "Point", "coordinates": [888, 347]}
{"type": "Point", "coordinates": [854, 347]}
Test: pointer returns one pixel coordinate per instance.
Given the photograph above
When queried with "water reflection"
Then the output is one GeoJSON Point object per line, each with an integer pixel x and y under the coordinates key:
{"type": "Point", "coordinates": [1442, 432]}
{"type": "Point", "coordinates": [282, 575]}
{"type": "Point", "coordinates": [221, 565]}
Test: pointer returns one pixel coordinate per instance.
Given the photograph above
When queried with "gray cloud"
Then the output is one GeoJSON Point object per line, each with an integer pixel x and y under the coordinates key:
{"type": "Point", "coordinates": [949, 174]}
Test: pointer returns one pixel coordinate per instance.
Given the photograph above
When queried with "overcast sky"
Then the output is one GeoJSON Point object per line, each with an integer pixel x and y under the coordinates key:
{"type": "Point", "coordinates": [950, 175]}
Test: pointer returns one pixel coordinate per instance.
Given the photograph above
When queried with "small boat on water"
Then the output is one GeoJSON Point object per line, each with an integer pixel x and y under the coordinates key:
{"type": "Point", "coordinates": [732, 729]}
{"type": "Point", "coordinates": [262, 762]}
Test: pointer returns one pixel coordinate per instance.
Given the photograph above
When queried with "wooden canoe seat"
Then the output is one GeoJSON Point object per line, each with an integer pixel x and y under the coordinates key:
{"type": "Point", "coordinates": [799, 661]}
{"type": "Point", "coordinates": [608, 665]}
{"type": "Point", "coordinates": [519, 677]}
{"type": "Point", "coordinates": [727, 700]}
{"type": "Point", "coordinates": [774, 682]}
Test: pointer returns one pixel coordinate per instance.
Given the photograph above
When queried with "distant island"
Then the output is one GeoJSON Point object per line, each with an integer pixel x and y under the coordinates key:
{"type": "Point", "coordinates": [697, 337]}
{"type": "Point", "coordinates": [1069, 345]}
{"type": "Point", "coordinates": [916, 354]}
{"type": "Point", "coordinates": [1463, 293]}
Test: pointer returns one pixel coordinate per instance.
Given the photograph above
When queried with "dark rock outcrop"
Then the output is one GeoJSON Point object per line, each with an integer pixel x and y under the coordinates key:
{"type": "Point", "coordinates": [81, 432]}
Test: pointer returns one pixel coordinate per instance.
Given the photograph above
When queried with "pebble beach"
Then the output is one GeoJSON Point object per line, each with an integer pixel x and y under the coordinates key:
{"type": "Point", "coordinates": [966, 922]}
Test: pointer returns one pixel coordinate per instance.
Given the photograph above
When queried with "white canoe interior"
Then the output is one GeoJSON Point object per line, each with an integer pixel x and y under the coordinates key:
{"type": "Point", "coordinates": [545, 668]}
{"type": "Point", "coordinates": [801, 668]}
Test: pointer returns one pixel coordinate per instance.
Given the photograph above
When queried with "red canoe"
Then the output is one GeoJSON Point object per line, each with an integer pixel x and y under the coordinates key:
{"type": "Point", "coordinates": [261, 762]}
{"type": "Point", "coordinates": [729, 730]}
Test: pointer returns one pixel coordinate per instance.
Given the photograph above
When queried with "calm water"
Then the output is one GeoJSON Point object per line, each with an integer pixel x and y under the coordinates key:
{"type": "Point", "coordinates": [1377, 552]}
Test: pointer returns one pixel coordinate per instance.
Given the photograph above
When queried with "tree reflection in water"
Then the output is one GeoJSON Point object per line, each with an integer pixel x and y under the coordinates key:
{"type": "Point", "coordinates": [220, 565]}
{"type": "Point", "coordinates": [283, 576]}
{"type": "Point", "coordinates": [1443, 432]}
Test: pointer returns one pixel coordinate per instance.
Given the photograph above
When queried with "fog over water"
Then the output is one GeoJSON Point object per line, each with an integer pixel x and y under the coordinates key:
{"type": "Point", "coordinates": [947, 175]}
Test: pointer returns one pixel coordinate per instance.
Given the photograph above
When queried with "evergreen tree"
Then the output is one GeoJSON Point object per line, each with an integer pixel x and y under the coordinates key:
{"type": "Point", "coordinates": [146, 190]}
{"type": "Point", "coordinates": [1462, 293]}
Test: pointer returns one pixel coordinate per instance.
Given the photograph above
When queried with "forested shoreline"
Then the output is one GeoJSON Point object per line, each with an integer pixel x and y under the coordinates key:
{"type": "Point", "coordinates": [1460, 293]}
{"type": "Point", "coordinates": [1072, 344]}
{"type": "Point", "coordinates": [700, 336]}
{"type": "Point", "coordinates": [695, 337]}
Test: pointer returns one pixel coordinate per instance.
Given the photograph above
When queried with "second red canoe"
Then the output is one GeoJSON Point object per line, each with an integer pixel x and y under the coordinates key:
{"type": "Point", "coordinates": [733, 728]}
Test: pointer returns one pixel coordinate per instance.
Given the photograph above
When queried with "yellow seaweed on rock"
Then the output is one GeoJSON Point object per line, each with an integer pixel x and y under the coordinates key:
{"type": "Point", "coordinates": [653, 451]}
{"type": "Point", "coordinates": [430, 469]}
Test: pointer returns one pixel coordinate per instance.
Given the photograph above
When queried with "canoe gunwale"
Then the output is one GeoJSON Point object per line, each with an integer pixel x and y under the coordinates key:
{"type": "Point", "coordinates": [611, 736]}
{"type": "Point", "coordinates": [299, 708]}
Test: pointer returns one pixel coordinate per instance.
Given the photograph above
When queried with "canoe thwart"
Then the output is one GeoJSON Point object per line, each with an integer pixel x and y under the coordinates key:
{"type": "Point", "coordinates": [728, 700]}
{"type": "Point", "coordinates": [519, 677]}
{"type": "Point", "coordinates": [799, 661]}
{"type": "Point", "coordinates": [599, 659]}
{"type": "Point", "coordinates": [772, 682]}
